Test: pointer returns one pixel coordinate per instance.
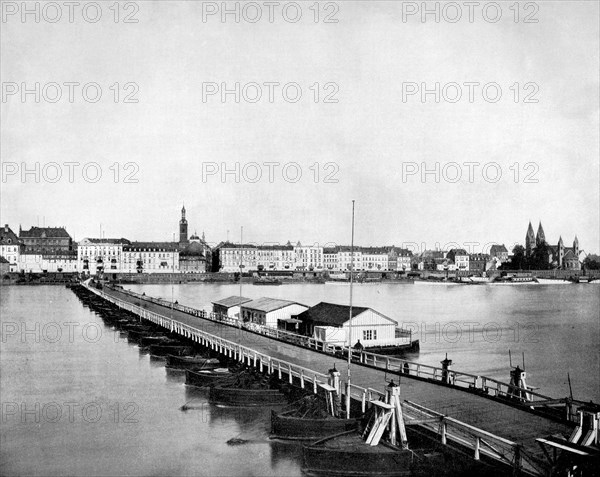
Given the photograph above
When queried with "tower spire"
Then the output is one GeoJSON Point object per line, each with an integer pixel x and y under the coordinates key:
{"type": "Point", "coordinates": [183, 227]}
{"type": "Point", "coordinates": [540, 237]}
{"type": "Point", "coordinates": [529, 240]}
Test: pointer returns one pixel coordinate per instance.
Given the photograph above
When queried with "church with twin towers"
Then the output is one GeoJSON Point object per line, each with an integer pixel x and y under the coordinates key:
{"type": "Point", "coordinates": [559, 256]}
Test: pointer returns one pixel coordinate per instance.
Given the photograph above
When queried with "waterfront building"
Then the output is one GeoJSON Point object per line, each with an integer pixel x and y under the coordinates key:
{"type": "Point", "coordinates": [148, 257]}
{"type": "Point", "coordinates": [11, 247]}
{"type": "Point", "coordinates": [230, 306]}
{"type": "Point", "coordinates": [46, 240]}
{"type": "Point", "coordinates": [97, 255]}
{"type": "Point", "coordinates": [195, 256]}
{"type": "Point", "coordinates": [308, 257]}
{"type": "Point", "coordinates": [329, 322]}
{"type": "Point", "coordinates": [403, 260]}
{"type": "Point", "coordinates": [330, 259]}
{"type": "Point", "coordinates": [60, 261]}
{"type": "Point", "coordinates": [267, 311]}
{"type": "Point", "coordinates": [480, 262]}
{"type": "Point", "coordinates": [275, 257]}
{"type": "Point", "coordinates": [376, 258]}
{"type": "Point", "coordinates": [500, 252]}
{"type": "Point", "coordinates": [460, 257]}
{"type": "Point", "coordinates": [345, 258]}
{"type": "Point", "coordinates": [229, 257]}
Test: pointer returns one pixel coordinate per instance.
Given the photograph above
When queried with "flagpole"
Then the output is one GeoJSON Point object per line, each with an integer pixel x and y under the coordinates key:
{"type": "Point", "coordinates": [350, 318]}
{"type": "Point", "coordinates": [241, 271]}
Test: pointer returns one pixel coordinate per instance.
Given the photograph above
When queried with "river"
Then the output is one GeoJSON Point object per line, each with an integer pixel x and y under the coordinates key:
{"type": "Point", "coordinates": [77, 399]}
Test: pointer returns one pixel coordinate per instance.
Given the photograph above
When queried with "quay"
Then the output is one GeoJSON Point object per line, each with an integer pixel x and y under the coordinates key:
{"type": "Point", "coordinates": [465, 410]}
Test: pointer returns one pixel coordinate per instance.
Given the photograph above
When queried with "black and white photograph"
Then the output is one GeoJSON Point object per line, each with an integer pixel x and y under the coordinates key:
{"type": "Point", "coordinates": [299, 238]}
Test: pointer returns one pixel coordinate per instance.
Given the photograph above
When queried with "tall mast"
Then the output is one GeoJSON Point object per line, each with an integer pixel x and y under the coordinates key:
{"type": "Point", "coordinates": [241, 267]}
{"type": "Point", "coordinates": [350, 318]}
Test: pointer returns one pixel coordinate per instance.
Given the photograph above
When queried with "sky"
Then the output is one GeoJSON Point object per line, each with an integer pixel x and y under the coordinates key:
{"type": "Point", "coordinates": [162, 134]}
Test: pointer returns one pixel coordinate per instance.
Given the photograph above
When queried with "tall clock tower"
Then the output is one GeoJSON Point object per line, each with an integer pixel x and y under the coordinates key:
{"type": "Point", "coordinates": [183, 228]}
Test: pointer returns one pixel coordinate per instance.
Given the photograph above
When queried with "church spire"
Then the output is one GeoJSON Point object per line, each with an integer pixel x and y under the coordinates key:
{"type": "Point", "coordinates": [529, 240]}
{"type": "Point", "coordinates": [540, 237]}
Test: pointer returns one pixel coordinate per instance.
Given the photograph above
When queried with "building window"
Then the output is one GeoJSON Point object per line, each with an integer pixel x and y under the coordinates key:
{"type": "Point", "coordinates": [369, 335]}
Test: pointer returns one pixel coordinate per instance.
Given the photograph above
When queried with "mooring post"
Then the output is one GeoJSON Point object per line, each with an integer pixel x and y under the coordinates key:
{"type": "Point", "coordinates": [477, 445]}
{"type": "Point", "coordinates": [290, 373]}
{"type": "Point", "coordinates": [443, 430]}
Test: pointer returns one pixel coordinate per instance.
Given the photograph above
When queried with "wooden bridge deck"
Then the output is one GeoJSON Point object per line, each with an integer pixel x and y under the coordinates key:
{"type": "Point", "coordinates": [495, 417]}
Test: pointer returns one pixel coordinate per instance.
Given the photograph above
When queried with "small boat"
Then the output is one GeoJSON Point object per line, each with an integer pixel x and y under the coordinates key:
{"type": "Point", "coordinates": [206, 377]}
{"type": "Point", "coordinates": [248, 389]}
{"type": "Point", "coordinates": [170, 349]}
{"type": "Point", "coordinates": [192, 362]}
{"type": "Point", "coordinates": [348, 454]}
{"type": "Point", "coordinates": [289, 425]}
{"type": "Point", "coordinates": [266, 281]}
{"type": "Point", "coordinates": [235, 396]}
{"type": "Point", "coordinates": [553, 281]}
{"type": "Point", "coordinates": [138, 334]}
{"type": "Point", "coordinates": [337, 277]}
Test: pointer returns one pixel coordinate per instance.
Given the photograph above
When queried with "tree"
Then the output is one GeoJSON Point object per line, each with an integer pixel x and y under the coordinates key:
{"type": "Point", "coordinates": [592, 262]}
{"type": "Point", "coordinates": [540, 258]}
{"type": "Point", "coordinates": [518, 260]}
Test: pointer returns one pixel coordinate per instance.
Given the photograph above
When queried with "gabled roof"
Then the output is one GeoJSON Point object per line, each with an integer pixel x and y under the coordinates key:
{"type": "Point", "coordinates": [51, 232]}
{"type": "Point", "coordinates": [3, 260]}
{"type": "Point", "coordinates": [570, 254]}
{"type": "Point", "coordinates": [269, 304]}
{"type": "Point", "coordinates": [498, 249]}
{"type": "Point", "coordinates": [232, 301]}
{"type": "Point", "coordinates": [8, 237]}
{"type": "Point", "coordinates": [332, 314]}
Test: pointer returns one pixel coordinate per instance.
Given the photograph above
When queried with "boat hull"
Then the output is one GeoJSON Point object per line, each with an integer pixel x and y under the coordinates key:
{"type": "Point", "coordinates": [294, 428]}
{"type": "Point", "coordinates": [246, 397]}
{"type": "Point", "coordinates": [205, 378]}
{"type": "Point", "coordinates": [191, 362]}
{"type": "Point", "coordinates": [160, 350]}
{"type": "Point", "coordinates": [353, 457]}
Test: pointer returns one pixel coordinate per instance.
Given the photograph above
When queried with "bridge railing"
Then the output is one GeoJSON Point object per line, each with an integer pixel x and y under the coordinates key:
{"type": "Point", "coordinates": [481, 442]}
{"type": "Point", "coordinates": [484, 385]}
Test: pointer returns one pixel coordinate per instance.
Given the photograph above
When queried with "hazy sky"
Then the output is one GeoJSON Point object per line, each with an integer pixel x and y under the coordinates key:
{"type": "Point", "coordinates": [374, 140]}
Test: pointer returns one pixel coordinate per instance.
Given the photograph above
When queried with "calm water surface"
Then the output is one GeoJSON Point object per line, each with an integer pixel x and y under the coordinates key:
{"type": "Point", "coordinates": [79, 400]}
